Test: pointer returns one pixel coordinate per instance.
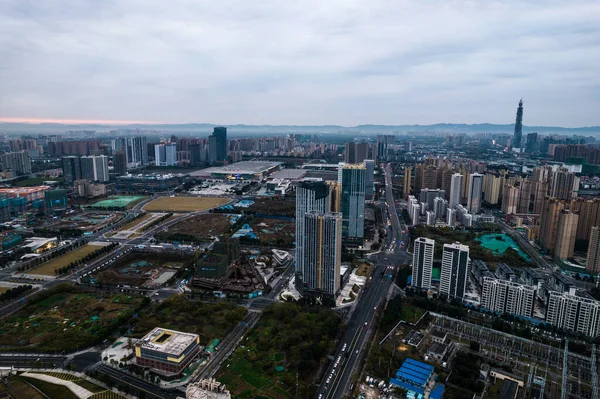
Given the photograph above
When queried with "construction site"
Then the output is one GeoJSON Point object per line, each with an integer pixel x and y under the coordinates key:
{"type": "Point", "coordinates": [143, 268]}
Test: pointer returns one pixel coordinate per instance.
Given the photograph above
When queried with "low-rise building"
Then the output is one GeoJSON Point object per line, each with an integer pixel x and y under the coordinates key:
{"type": "Point", "coordinates": [168, 352]}
{"type": "Point", "coordinates": [207, 389]}
{"type": "Point", "coordinates": [414, 376]}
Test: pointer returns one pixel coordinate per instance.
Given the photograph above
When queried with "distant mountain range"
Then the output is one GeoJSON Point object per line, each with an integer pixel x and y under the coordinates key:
{"type": "Point", "coordinates": [57, 128]}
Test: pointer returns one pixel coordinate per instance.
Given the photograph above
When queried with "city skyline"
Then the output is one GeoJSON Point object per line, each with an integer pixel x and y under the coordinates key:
{"type": "Point", "coordinates": [309, 63]}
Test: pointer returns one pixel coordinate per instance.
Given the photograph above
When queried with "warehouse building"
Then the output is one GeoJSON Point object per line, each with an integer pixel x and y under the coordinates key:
{"type": "Point", "coordinates": [245, 170]}
{"type": "Point", "coordinates": [414, 376]}
{"type": "Point", "coordinates": [166, 351]}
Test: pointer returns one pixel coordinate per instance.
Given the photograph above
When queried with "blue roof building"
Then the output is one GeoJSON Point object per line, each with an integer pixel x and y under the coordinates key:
{"type": "Point", "coordinates": [413, 376]}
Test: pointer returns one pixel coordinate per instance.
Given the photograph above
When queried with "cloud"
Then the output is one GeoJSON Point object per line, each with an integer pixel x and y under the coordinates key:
{"type": "Point", "coordinates": [303, 62]}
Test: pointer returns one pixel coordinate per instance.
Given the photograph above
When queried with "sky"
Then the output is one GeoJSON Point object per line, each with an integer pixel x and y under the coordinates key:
{"type": "Point", "coordinates": [301, 62]}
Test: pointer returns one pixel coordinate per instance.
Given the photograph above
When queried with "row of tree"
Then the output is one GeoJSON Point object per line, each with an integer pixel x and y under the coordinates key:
{"type": "Point", "coordinates": [54, 254]}
{"type": "Point", "coordinates": [14, 292]}
{"type": "Point", "coordinates": [156, 222]}
{"type": "Point", "coordinates": [92, 255]}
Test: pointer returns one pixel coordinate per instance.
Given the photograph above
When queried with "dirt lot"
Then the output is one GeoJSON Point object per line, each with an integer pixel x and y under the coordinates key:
{"type": "Point", "coordinates": [86, 221]}
{"type": "Point", "coordinates": [143, 268]}
{"type": "Point", "coordinates": [273, 207]}
{"type": "Point", "coordinates": [49, 268]}
{"type": "Point", "coordinates": [185, 204]}
{"type": "Point", "coordinates": [198, 228]}
{"type": "Point", "coordinates": [274, 231]}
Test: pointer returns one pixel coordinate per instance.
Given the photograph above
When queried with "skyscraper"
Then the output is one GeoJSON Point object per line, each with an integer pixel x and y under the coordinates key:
{"type": "Point", "coordinates": [475, 190]}
{"type": "Point", "coordinates": [310, 196]}
{"type": "Point", "coordinates": [510, 199]}
{"type": "Point", "coordinates": [137, 150]}
{"type": "Point", "coordinates": [407, 182]}
{"type": "Point", "coordinates": [382, 146]}
{"type": "Point", "coordinates": [322, 252]}
{"type": "Point", "coordinates": [355, 152]}
{"type": "Point", "coordinates": [369, 179]}
{"type": "Point", "coordinates": [165, 154]}
{"type": "Point", "coordinates": [71, 168]}
{"type": "Point", "coordinates": [592, 263]}
{"type": "Point", "coordinates": [516, 142]}
{"type": "Point", "coordinates": [217, 145]}
{"type": "Point", "coordinates": [565, 235]}
{"type": "Point", "coordinates": [564, 185]}
{"type": "Point", "coordinates": [455, 190]}
{"type": "Point", "coordinates": [455, 270]}
{"type": "Point", "coordinates": [549, 223]}
{"type": "Point", "coordinates": [422, 262]}
{"type": "Point", "coordinates": [94, 168]}
{"type": "Point", "coordinates": [120, 162]}
{"type": "Point", "coordinates": [589, 216]}
{"type": "Point", "coordinates": [531, 145]}
{"type": "Point", "coordinates": [353, 200]}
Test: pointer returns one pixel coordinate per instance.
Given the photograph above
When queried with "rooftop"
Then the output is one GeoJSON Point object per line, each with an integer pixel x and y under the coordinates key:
{"type": "Point", "coordinates": [167, 341]}
{"type": "Point", "coordinates": [238, 168]}
{"type": "Point", "coordinates": [150, 176]}
{"type": "Point", "coordinates": [289, 174]}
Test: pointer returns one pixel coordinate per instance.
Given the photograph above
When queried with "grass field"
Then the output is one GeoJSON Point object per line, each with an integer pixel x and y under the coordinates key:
{"type": "Point", "coordinates": [17, 388]}
{"type": "Point", "coordinates": [121, 201]}
{"type": "Point", "coordinates": [52, 391]}
{"type": "Point", "coordinates": [49, 268]}
{"type": "Point", "coordinates": [36, 181]}
{"type": "Point", "coordinates": [4, 289]}
{"type": "Point", "coordinates": [66, 321]}
{"type": "Point", "coordinates": [185, 204]}
{"type": "Point", "coordinates": [61, 376]}
{"type": "Point", "coordinates": [411, 313]}
{"type": "Point", "coordinates": [107, 395]}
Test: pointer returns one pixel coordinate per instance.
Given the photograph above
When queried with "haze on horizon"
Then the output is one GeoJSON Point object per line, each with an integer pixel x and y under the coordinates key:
{"type": "Point", "coordinates": [310, 62]}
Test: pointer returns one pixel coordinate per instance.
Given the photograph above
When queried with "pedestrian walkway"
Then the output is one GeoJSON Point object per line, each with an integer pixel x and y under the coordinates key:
{"type": "Point", "coordinates": [81, 392]}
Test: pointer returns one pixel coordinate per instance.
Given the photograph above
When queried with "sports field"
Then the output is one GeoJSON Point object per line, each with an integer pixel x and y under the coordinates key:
{"type": "Point", "coordinates": [120, 201]}
{"type": "Point", "coordinates": [49, 268]}
{"type": "Point", "coordinates": [185, 204]}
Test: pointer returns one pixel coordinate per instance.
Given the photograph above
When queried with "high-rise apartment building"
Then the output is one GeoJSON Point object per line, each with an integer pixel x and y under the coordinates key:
{"type": "Point", "coordinates": [492, 186]}
{"type": "Point", "coordinates": [510, 199]}
{"type": "Point", "coordinates": [574, 313]}
{"type": "Point", "coordinates": [455, 270]}
{"type": "Point", "coordinates": [383, 142]}
{"type": "Point", "coordinates": [524, 196]}
{"type": "Point", "coordinates": [440, 205]}
{"type": "Point", "coordinates": [531, 145]}
{"type": "Point", "coordinates": [407, 182]}
{"type": "Point", "coordinates": [422, 262]}
{"type": "Point", "coordinates": [17, 162]}
{"type": "Point", "coordinates": [356, 152]}
{"type": "Point", "coordinates": [165, 154]}
{"type": "Point", "coordinates": [137, 150]}
{"type": "Point", "coordinates": [353, 199]}
{"type": "Point", "coordinates": [455, 190]}
{"type": "Point", "coordinates": [589, 216]}
{"type": "Point", "coordinates": [369, 179]}
{"type": "Point", "coordinates": [565, 235]}
{"type": "Point", "coordinates": [549, 223]}
{"type": "Point", "coordinates": [505, 296]}
{"type": "Point", "coordinates": [322, 252]}
{"type": "Point", "coordinates": [430, 177]}
{"type": "Point", "coordinates": [592, 263]}
{"type": "Point", "coordinates": [419, 168]}
{"type": "Point", "coordinates": [564, 185]}
{"type": "Point", "coordinates": [120, 163]}
{"type": "Point", "coordinates": [475, 190]}
{"type": "Point", "coordinates": [94, 168]}
{"type": "Point", "coordinates": [310, 196]}
{"type": "Point", "coordinates": [71, 166]}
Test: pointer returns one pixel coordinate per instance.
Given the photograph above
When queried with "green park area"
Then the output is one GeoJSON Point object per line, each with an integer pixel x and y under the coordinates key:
{"type": "Point", "coordinates": [37, 181]}
{"type": "Point", "coordinates": [49, 268]}
{"type": "Point", "coordinates": [66, 319]}
{"type": "Point", "coordinates": [288, 339]}
{"type": "Point", "coordinates": [488, 246]}
{"type": "Point", "coordinates": [208, 320]}
{"type": "Point", "coordinates": [118, 201]}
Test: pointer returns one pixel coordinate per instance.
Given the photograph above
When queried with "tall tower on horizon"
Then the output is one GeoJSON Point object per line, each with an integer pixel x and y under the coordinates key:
{"type": "Point", "coordinates": [518, 127]}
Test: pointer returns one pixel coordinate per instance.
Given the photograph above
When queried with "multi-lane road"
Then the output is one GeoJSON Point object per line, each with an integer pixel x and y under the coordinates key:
{"type": "Point", "coordinates": [354, 344]}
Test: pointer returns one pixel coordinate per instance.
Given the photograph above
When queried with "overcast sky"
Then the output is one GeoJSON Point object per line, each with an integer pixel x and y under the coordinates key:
{"type": "Point", "coordinates": [302, 62]}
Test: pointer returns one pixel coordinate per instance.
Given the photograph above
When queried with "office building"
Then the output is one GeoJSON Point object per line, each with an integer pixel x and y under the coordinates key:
{"type": "Point", "coordinates": [356, 152]}
{"type": "Point", "coordinates": [565, 235]}
{"type": "Point", "coordinates": [455, 190]}
{"type": "Point", "coordinates": [574, 313]}
{"type": "Point", "coordinates": [455, 270]}
{"type": "Point", "coordinates": [71, 166]}
{"type": "Point", "coordinates": [419, 168]}
{"type": "Point", "coordinates": [17, 162]}
{"type": "Point", "coordinates": [517, 138]}
{"type": "Point", "coordinates": [407, 182]}
{"type": "Point", "coordinates": [369, 179]}
{"type": "Point", "coordinates": [383, 142]}
{"type": "Point", "coordinates": [310, 196]}
{"type": "Point", "coordinates": [322, 252]}
{"type": "Point", "coordinates": [531, 145]}
{"type": "Point", "coordinates": [475, 190]}
{"type": "Point", "coordinates": [510, 297]}
{"type": "Point", "coordinates": [353, 200]}
{"type": "Point", "coordinates": [165, 154]}
{"type": "Point", "coordinates": [422, 262]}
{"type": "Point", "coordinates": [217, 145]}
{"type": "Point", "coordinates": [430, 177]}
{"type": "Point", "coordinates": [549, 223]}
{"type": "Point", "coordinates": [120, 163]}
{"type": "Point", "coordinates": [94, 168]}
{"type": "Point", "coordinates": [592, 263]}
{"type": "Point", "coordinates": [136, 150]}
{"type": "Point", "coordinates": [166, 351]}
